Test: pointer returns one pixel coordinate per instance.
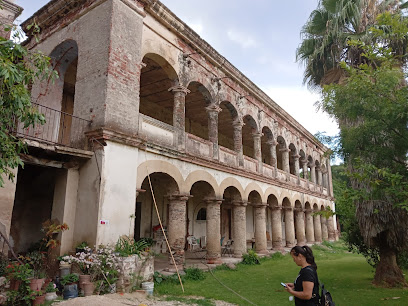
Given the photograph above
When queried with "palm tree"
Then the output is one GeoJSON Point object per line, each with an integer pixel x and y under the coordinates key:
{"type": "Point", "coordinates": [327, 32]}
{"type": "Point", "coordinates": [325, 45]}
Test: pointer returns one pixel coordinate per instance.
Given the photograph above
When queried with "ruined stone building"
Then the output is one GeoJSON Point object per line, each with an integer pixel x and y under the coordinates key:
{"type": "Point", "coordinates": [140, 93]}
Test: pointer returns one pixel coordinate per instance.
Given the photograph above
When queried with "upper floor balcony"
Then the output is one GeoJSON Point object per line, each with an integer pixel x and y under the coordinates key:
{"type": "Point", "coordinates": [60, 129]}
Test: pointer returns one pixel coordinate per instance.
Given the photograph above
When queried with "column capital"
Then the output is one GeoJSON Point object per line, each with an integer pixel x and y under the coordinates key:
{"type": "Point", "coordinates": [239, 203]}
{"type": "Point", "coordinates": [179, 197]}
{"type": "Point", "coordinates": [284, 150]}
{"type": "Point", "coordinates": [276, 207]}
{"type": "Point", "coordinates": [303, 160]}
{"type": "Point", "coordinates": [237, 124]}
{"type": "Point", "coordinates": [295, 156]}
{"type": "Point", "coordinates": [308, 211]}
{"type": "Point", "coordinates": [257, 134]}
{"type": "Point", "coordinates": [213, 108]}
{"type": "Point", "coordinates": [287, 208]}
{"type": "Point", "coordinates": [271, 142]}
{"type": "Point", "coordinates": [179, 89]}
{"type": "Point", "coordinates": [259, 205]}
{"type": "Point", "coordinates": [299, 209]}
{"type": "Point", "coordinates": [213, 201]}
{"type": "Point", "coordinates": [311, 165]}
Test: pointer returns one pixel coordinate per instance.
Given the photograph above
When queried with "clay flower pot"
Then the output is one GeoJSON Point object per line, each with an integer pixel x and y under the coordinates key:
{"type": "Point", "coordinates": [15, 284]}
{"type": "Point", "coordinates": [88, 288]}
{"type": "Point", "coordinates": [84, 279]}
{"type": "Point", "coordinates": [36, 284]}
{"type": "Point", "coordinates": [39, 300]}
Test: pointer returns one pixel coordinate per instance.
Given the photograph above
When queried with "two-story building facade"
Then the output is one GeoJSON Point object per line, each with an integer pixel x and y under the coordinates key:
{"type": "Point", "coordinates": [142, 98]}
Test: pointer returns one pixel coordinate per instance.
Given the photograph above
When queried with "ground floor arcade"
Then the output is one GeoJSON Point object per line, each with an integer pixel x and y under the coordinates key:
{"type": "Point", "coordinates": [112, 191]}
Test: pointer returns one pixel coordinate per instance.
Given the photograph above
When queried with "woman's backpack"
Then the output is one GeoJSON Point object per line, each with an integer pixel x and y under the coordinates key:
{"type": "Point", "coordinates": [325, 298]}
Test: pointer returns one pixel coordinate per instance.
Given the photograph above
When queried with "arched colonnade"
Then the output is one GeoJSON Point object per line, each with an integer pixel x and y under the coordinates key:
{"type": "Point", "coordinates": [225, 210]}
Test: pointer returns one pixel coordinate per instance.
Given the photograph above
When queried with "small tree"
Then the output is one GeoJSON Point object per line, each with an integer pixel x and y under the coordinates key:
{"type": "Point", "coordinates": [19, 69]}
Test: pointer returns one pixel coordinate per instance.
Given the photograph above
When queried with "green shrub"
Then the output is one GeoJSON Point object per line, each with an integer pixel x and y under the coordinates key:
{"type": "Point", "coordinates": [127, 247]}
{"type": "Point", "coordinates": [251, 258]}
{"type": "Point", "coordinates": [276, 256]}
{"type": "Point", "coordinates": [194, 274]}
{"type": "Point", "coordinates": [3, 264]}
{"type": "Point", "coordinates": [70, 278]}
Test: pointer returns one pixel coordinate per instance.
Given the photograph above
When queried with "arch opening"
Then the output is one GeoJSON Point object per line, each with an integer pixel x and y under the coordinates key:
{"type": "Point", "coordinates": [156, 101]}
{"type": "Point", "coordinates": [248, 131]}
{"type": "Point", "coordinates": [196, 117]}
{"type": "Point", "coordinates": [226, 118]}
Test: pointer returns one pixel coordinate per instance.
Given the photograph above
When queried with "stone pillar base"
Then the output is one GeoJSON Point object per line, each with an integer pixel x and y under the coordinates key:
{"type": "Point", "coordinates": [214, 261]}
{"type": "Point", "coordinates": [172, 269]}
{"type": "Point", "coordinates": [263, 252]}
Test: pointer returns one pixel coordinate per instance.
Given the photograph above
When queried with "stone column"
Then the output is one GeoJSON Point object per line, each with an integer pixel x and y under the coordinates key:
{"type": "Point", "coordinates": [258, 149]}
{"type": "Point", "coordinates": [304, 165]}
{"type": "Point", "coordinates": [325, 234]}
{"type": "Point", "coordinates": [310, 236]}
{"type": "Point", "coordinates": [312, 173]}
{"type": "Point", "coordinates": [277, 227]}
{"type": "Point", "coordinates": [260, 228]}
{"type": "Point", "coordinates": [300, 226]}
{"type": "Point", "coordinates": [239, 212]}
{"type": "Point", "coordinates": [237, 126]}
{"type": "Point", "coordinates": [329, 179]}
{"type": "Point", "coordinates": [272, 152]}
{"type": "Point", "coordinates": [212, 112]}
{"type": "Point", "coordinates": [285, 160]}
{"type": "Point", "coordinates": [296, 161]}
{"type": "Point", "coordinates": [177, 227]}
{"type": "Point", "coordinates": [319, 176]}
{"type": "Point", "coordinates": [317, 228]}
{"type": "Point", "coordinates": [330, 228]}
{"type": "Point", "coordinates": [213, 230]}
{"type": "Point", "coordinates": [179, 115]}
{"type": "Point", "coordinates": [289, 227]}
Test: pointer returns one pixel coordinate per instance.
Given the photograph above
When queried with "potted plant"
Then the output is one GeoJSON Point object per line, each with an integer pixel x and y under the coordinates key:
{"type": "Point", "coordinates": [105, 272]}
{"type": "Point", "coordinates": [82, 247]}
{"type": "Point", "coordinates": [38, 297]}
{"type": "Point", "coordinates": [70, 286]}
{"type": "Point", "coordinates": [19, 277]}
{"type": "Point", "coordinates": [85, 262]}
{"type": "Point", "coordinates": [51, 293]}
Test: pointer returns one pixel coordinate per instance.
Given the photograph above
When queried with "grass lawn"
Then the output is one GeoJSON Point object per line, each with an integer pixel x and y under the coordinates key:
{"type": "Point", "coordinates": [347, 276]}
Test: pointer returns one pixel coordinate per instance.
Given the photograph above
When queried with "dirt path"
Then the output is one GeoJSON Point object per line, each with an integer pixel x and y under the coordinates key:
{"type": "Point", "coordinates": [133, 299]}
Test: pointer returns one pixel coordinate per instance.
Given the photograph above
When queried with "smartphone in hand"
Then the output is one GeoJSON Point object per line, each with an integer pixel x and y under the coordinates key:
{"type": "Point", "coordinates": [283, 284]}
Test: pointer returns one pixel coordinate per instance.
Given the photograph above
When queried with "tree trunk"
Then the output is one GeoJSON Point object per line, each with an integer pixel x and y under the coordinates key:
{"type": "Point", "coordinates": [387, 273]}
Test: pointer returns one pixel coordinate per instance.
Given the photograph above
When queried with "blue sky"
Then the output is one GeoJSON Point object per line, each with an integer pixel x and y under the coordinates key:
{"type": "Point", "coordinates": [260, 38]}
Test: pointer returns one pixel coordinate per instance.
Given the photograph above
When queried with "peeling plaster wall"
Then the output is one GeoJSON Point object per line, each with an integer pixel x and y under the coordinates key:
{"type": "Point", "coordinates": [7, 193]}
{"type": "Point", "coordinates": [118, 192]}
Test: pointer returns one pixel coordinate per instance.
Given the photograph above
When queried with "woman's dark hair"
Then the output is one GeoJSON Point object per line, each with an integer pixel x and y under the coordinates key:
{"type": "Point", "coordinates": [306, 252]}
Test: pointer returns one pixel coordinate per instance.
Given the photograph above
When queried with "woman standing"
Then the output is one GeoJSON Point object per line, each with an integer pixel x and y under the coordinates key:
{"type": "Point", "coordinates": [305, 289]}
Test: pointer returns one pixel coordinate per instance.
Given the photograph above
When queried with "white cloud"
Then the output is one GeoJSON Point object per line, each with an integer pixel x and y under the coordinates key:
{"type": "Point", "coordinates": [298, 102]}
{"type": "Point", "coordinates": [244, 40]}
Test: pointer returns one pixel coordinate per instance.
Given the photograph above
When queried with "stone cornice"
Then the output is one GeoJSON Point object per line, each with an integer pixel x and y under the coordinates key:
{"type": "Point", "coordinates": [160, 12]}
{"type": "Point", "coordinates": [12, 8]}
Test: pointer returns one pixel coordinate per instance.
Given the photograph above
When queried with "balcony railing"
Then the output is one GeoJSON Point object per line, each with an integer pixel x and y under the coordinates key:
{"type": "Point", "coordinates": [60, 128]}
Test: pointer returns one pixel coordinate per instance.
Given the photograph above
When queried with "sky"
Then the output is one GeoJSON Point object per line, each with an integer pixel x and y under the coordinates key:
{"type": "Point", "coordinates": [260, 38]}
